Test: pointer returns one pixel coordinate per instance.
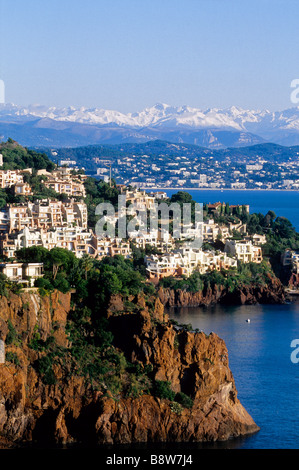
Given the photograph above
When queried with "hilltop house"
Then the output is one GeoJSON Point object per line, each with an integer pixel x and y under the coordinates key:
{"type": "Point", "coordinates": [25, 273]}
{"type": "Point", "coordinates": [184, 262]}
{"type": "Point", "coordinates": [244, 250]}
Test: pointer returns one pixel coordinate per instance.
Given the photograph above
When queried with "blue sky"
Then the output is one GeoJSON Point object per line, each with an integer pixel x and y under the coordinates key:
{"type": "Point", "coordinates": [131, 54]}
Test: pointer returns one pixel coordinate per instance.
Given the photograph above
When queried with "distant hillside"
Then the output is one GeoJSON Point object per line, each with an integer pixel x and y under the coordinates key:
{"type": "Point", "coordinates": [50, 133]}
{"type": "Point", "coordinates": [270, 152]}
{"type": "Point", "coordinates": [84, 155]}
{"type": "Point", "coordinates": [17, 157]}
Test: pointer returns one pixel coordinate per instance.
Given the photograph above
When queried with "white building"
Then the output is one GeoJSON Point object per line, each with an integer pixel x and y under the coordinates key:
{"type": "Point", "coordinates": [25, 273]}
{"type": "Point", "coordinates": [9, 178]}
{"type": "Point", "coordinates": [185, 261]}
{"type": "Point", "coordinates": [76, 239]}
{"type": "Point", "coordinates": [291, 258]}
{"type": "Point", "coordinates": [244, 250]}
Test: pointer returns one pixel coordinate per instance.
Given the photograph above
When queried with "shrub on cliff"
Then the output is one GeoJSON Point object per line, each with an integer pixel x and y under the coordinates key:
{"type": "Point", "coordinates": [162, 389]}
{"type": "Point", "coordinates": [112, 276]}
{"type": "Point", "coordinates": [12, 337]}
{"type": "Point", "coordinates": [13, 358]}
{"type": "Point", "coordinates": [3, 282]}
{"type": "Point", "coordinates": [184, 400]}
{"type": "Point", "coordinates": [44, 366]}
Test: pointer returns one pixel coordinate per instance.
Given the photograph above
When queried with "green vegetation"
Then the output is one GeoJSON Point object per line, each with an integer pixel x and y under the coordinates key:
{"type": "Point", "coordinates": [97, 192]}
{"type": "Point", "coordinates": [60, 266]}
{"type": "Point", "coordinates": [176, 407]}
{"type": "Point", "coordinates": [13, 358]}
{"type": "Point", "coordinates": [44, 367]}
{"type": "Point", "coordinates": [12, 337]}
{"type": "Point", "coordinates": [233, 279]}
{"type": "Point", "coordinates": [92, 353]}
{"type": "Point", "coordinates": [17, 157]}
{"type": "Point", "coordinates": [162, 389]}
{"type": "Point", "coordinates": [184, 400]}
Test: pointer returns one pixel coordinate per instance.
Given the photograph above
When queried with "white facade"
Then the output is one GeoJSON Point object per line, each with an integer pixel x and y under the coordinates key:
{"type": "Point", "coordinates": [244, 251]}
{"type": "Point", "coordinates": [22, 272]}
{"type": "Point", "coordinates": [9, 178]}
{"type": "Point", "coordinates": [185, 261]}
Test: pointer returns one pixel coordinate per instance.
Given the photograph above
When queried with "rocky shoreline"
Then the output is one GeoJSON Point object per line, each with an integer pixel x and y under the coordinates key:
{"type": "Point", "coordinates": [71, 411]}
{"type": "Point", "coordinates": [272, 293]}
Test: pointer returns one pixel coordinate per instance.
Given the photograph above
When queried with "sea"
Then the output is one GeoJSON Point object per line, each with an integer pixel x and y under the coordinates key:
{"type": "Point", "coordinates": [261, 355]}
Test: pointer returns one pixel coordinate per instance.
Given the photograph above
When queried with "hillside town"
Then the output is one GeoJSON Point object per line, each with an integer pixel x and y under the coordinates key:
{"type": "Point", "coordinates": [52, 223]}
{"type": "Point", "coordinates": [180, 166]}
{"type": "Point", "coordinates": [206, 173]}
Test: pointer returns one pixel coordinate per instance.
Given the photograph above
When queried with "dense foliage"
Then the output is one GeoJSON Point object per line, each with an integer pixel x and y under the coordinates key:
{"type": "Point", "coordinates": [17, 157]}
{"type": "Point", "coordinates": [233, 279]}
{"type": "Point", "coordinates": [97, 192]}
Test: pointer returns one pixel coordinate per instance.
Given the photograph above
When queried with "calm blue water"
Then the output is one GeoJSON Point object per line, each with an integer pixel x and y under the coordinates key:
{"type": "Point", "coordinates": [259, 352]}
{"type": "Point", "coordinates": [259, 356]}
{"type": "Point", "coordinates": [283, 203]}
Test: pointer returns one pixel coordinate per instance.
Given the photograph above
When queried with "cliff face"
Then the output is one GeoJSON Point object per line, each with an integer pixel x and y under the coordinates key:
{"type": "Point", "coordinates": [293, 280]}
{"type": "Point", "coordinates": [272, 293]}
{"type": "Point", "coordinates": [70, 410]}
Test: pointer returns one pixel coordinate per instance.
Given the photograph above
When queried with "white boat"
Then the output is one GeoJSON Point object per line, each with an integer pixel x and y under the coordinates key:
{"type": "Point", "coordinates": [248, 320]}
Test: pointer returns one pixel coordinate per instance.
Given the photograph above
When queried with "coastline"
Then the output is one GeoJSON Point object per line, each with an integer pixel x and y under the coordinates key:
{"type": "Point", "coordinates": [216, 189]}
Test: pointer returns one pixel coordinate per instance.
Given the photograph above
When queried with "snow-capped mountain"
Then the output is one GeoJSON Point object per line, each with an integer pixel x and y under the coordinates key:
{"type": "Point", "coordinates": [158, 115]}
{"type": "Point", "coordinates": [213, 127]}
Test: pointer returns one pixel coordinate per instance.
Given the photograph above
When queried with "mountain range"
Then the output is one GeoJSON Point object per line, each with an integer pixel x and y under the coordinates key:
{"type": "Point", "coordinates": [213, 128]}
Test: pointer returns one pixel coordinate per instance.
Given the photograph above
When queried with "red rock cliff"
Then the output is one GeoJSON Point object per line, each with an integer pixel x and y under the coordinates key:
{"type": "Point", "coordinates": [272, 293]}
{"type": "Point", "coordinates": [71, 410]}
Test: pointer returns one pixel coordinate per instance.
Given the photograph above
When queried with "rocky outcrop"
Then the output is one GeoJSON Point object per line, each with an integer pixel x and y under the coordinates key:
{"type": "Point", "coordinates": [149, 419]}
{"type": "Point", "coordinates": [271, 293]}
{"type": "Point", "coordinates": [293, 280]}
{"type": "Point", "coordinates": [195, 364]}
{"type": "Point", "coordinates": [70, 410]}
{"type": "Point", "coordinates": [23, 396]}
{"type": "Point", "coordinates": [29, 310]}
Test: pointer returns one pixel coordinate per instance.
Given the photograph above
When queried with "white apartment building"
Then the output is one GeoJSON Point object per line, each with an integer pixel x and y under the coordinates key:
{"type": "Point", "coordinates": [291, 258]}
{"type": "Point", "coordinates": [25, 273]}
{"type": "Point", "coordinates": [43, 214]}
{"type": "Point", "coordinates": [140, 199]}
{"type": "Point", "coordinates": [9, 178]}
{"type": "Point", "coordinates": [75, 239]}
{"type": "Point", "coordinates": [69, 187]}
{"type": "Point", "coordinates": [257, 239]}
{"type": "Point", "coordinates": [22, 189]}
{"type": "Point", "coordinates": [64, 182]}
{"type": "Point", "coordinates": [244, 250]}
{"type": "Point", "coordinates": [160, 239]}
{"type": "Point", "coordinates": [209, 231]}
{"type": "Point", "coordinates": [185, 261]}
{"type": "Point", "coordinates": [112, 247]}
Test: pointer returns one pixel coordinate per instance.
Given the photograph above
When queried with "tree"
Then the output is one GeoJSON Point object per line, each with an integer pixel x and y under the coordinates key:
{"type": "Point", "coordinates": [86, 263]}
{"type": "Point", "coordinates": [34, 254]}
{"type": "Point", "coordinates": [61, 258]}
{"type": "Point", "coordinates": [181, 198]}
